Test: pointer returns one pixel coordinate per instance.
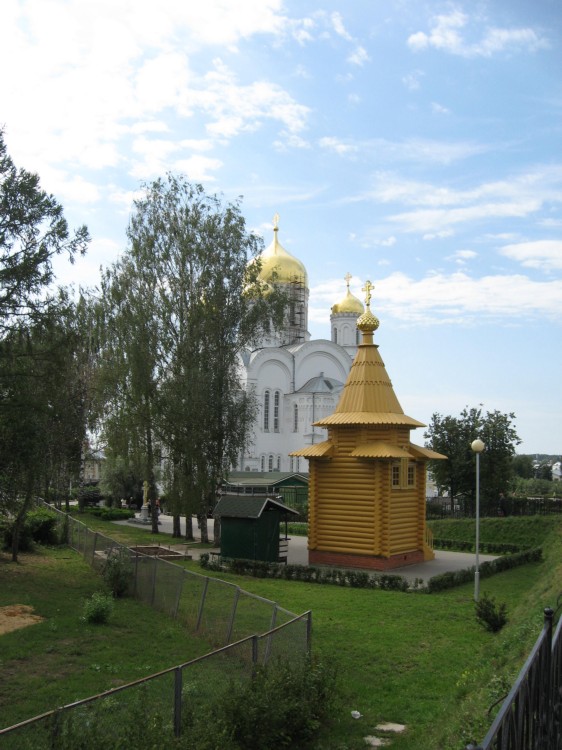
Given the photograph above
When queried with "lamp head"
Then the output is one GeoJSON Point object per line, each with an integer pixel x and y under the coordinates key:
{"type": "Point", "coordinates": [477, 445]}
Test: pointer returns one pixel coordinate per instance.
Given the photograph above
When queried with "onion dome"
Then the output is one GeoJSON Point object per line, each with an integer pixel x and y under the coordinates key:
{"type": "Point", "coordinates": [278, 265]}
{"type": "Point", "coordinates": [349, 304]}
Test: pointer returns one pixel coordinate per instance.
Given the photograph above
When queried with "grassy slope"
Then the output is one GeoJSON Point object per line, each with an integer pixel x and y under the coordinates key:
{"type": "Point", "coordinates": [409, 658]}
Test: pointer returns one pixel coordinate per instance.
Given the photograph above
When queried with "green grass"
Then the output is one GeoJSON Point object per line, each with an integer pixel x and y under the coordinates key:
{"type": "Point", "coordinates": [523, 531]}
{"type": "Point", "coordinates": [79, 659]}
{"type": "Point", "coordinates": [415, 659]}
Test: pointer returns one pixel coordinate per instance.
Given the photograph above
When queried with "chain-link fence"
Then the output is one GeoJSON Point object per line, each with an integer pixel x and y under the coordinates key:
{"type": "Point", "coordinates": [164, 704]}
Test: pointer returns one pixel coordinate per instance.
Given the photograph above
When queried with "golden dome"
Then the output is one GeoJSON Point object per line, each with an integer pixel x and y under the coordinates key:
{"type": "Point", "coordinates": [279, 265]}
{"type": "Point", "coordinates": [349, 304]}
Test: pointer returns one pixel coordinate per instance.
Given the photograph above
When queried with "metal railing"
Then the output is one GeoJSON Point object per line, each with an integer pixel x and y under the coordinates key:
{"type": "Point", "coordinates": [530, 718]}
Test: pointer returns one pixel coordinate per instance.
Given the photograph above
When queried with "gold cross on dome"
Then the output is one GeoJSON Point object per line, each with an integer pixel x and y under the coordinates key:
{"type": "Point", "coordinates": [276, 221]}
{"type": "Point", "coordinates": [367, 289]}
{"type": "Point", "coordinates": [347, 279]}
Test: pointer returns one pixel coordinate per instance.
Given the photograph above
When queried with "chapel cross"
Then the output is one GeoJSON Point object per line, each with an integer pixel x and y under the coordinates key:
{"type": "Point", "coordinates": [276, 222]}
{"type": "Point", "coordinates": [347, 279]}
{"type": "Point", "coordinates": [367, 289]}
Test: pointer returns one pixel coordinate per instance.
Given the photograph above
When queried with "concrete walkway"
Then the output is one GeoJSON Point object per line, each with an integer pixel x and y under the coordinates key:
{"type": "Point", "coordinates": [298, 552]}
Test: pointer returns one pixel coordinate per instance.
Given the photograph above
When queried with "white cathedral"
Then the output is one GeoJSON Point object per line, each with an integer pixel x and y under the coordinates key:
{"type": "Point", "coordinates": [296, 380]}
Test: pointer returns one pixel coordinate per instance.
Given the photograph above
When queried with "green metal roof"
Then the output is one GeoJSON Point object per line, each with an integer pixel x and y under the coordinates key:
{"type": "Point", "coordinates": [245, 506]}
{"type": "Point", "coordinates": [265, 479]}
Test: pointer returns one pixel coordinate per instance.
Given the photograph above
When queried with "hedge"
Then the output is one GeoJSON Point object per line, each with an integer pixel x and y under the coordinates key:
{"type": "Point", "coordinates": [309, 574]}
{"type": "Point", "coordinates": [458, 578]}
{"type": "Point", "coordinates": [490, 548]}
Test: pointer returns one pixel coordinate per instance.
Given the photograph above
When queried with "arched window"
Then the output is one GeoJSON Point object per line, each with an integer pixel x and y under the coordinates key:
{"type": "Point", "coordinates": [357, 336]}
{"type": "Point", "coordinates": [276, 399]}
{"type": "Point", "coordinates": [335, 335]}
{"type": "Point", "coordinates": [266, 411]}
{"type": "Point", "coordinates": [295, 418]}
{"type": "Point", "coordinates": [270, 463]}
{"type": "Point", "coordinates": [278, 463]}
{"type": "Point", "coordinates": [262, 464]}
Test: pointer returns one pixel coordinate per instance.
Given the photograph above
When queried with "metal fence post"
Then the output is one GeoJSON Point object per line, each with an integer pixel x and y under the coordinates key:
{"type": "Point", "coordinates": [255, 654]}
{"type": "Point", "coordinates": [153, 582]}
{"type": "Point", "coordinates": [202, 604]}
{"type": "Point", "coordinates": [178, 595]}
{"type": "Point", "coordinates": [547, 702]}
{"type": "Point", "coordinates": [178, 675]}
{"type": "Point", "coordinates": [94, 547]}
{"type": "Point", "coordinates": [232, 615]}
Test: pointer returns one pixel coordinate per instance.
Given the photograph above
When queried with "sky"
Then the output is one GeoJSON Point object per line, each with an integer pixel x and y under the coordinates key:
{"type": "Point", "coordinates": [415, 144]}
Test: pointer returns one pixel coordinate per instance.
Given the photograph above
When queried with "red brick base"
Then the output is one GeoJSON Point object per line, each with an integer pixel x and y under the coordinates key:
{"type": "Point", "coordinates": [370, 562]}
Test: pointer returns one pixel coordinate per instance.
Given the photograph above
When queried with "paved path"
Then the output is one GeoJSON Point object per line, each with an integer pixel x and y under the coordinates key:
{"type": "Point", "coordinates": [298, 553]}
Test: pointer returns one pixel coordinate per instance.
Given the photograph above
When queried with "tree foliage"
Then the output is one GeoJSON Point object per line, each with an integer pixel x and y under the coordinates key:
{"type": "Point", "coordinates": [452, 436]}
{"type": "Point", "coordinates": [42, 385]}
{"type": "Point", "coordinates": [178, 309]}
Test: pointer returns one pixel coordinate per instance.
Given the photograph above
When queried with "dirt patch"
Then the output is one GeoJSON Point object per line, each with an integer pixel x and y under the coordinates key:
{"type": "Point", "coordinates": [17, 616]}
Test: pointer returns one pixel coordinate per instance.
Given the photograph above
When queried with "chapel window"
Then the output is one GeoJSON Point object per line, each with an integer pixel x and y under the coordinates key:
{"type": "Point", "coordinates": [276, 400]}
{"type": "Point", "coordinates": [295, 418]}
{"type": "Point", "coordinates": [266, 411]}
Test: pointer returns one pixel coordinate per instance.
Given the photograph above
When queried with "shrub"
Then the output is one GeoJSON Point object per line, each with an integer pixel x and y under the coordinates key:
{"type": "Point", "coordinates": [282, 707]}
{"type": "Point", "coordinates": [98, 609]}
{"type": "Point", "coordinates": [490, 615]}
{"type": "Point", "coordinates": [38, 526]}
{"type": "Point", "coordinates": [118, 571]}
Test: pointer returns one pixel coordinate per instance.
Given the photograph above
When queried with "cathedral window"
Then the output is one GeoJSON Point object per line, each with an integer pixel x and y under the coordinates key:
{"type": "Point", "coordinates": [335, 335]}
{"type": "Point", "coordinates": [266, 411]}
{"type": "Point", "coordinates": [357, 336]}
{"type": "Point", "coordinates": [276, 399]}
{"type": "Point", "coordinates": [262, 464]}
{"type": "Point", "coordinates": [295, 418]}
{"type": "Point", "coordinates": [270, 463]}
{"type": "Point", "coordinates": [278, 463]}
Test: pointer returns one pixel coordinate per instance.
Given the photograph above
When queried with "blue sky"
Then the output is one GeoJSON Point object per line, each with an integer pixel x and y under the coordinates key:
{"type": "Point", "coordinates": [415, 144]}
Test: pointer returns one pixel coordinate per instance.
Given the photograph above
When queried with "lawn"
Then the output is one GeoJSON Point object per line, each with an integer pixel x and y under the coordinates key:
{"type": "Point", "coordinates": [415, 659]}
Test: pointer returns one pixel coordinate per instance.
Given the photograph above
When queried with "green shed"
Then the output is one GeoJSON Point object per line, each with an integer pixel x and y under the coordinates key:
{"type": "Point", "coordinates": [250, 527]}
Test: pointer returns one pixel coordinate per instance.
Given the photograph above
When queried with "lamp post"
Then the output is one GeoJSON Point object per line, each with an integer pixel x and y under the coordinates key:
{"type": "Point", "coordinates": [477, 446]}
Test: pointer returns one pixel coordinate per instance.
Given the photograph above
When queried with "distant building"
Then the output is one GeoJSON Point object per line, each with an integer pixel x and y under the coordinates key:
{"type": "Point", "coordinates": [557, 472]}
{"type": "Point", "coordinates": [296, 380]}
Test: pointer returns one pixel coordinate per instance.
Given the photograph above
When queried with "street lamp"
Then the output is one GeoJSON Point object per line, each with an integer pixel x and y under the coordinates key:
{"type": "Point", "coordinates": [477, 446]}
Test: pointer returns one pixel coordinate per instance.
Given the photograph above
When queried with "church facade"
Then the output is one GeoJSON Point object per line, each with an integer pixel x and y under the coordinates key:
{"type": "Point", "coordinates": [296, 380]}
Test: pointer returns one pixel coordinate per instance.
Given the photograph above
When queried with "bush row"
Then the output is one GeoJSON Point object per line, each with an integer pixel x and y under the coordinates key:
{"type": "Point", "coordinates": [109, 514]}
{"type": "Point", "coordinates": [359, 579]}
{"type": "Point", "coordinates": [39, 526]}
{"type": "Point", "coordinates": [490, 548]}
{"type": "Point", "coordinates": [457, 578]}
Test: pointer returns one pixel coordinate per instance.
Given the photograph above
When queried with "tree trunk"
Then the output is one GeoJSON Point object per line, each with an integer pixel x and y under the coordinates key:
{"type": "Point", "coordinates": [18, 523]}
{"type": "Point", "coordinates": [204, 531]}
{"type": "Point", "coordinates": [189, 528]}
{"type": "Point", "coordinates": [216, 531]}
{"type": "Point", "coordinates": [176, 529]}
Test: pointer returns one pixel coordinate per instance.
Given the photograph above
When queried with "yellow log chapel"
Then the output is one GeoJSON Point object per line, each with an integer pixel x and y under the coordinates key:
{"type": "Point", "coordinates": [367, 490]}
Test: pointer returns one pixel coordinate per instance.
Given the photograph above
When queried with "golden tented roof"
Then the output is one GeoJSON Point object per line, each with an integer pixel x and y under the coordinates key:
{"type": "Point", "coordinates": [368, 396]}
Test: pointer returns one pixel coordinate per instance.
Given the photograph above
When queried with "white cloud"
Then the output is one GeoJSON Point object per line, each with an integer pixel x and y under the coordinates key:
{"type": "Point", "coordinates": [439, 109]}
{"type": "Point", "coordinates": [339, 28]}
{"type": "Point", "coordinates": [543, 254]}
{"type": "Point", "coordinates": [359, 56]}
{"type": "Point", "coordinates": [197, 167]}
{"type": "Point", "coordinates": [445, 35]}
{"type": "Point", "coordinates": [455, 298]}
{"type": "Point", "coordinates": [334, 144]}
{"type": "Point", "coordinates": [459, 298]}
{"type": "Point", "coordinates": [412, 80]}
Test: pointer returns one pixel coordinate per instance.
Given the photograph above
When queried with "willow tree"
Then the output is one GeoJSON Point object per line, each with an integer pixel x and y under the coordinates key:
{"type": "Point", "coordinates": [203, 304]}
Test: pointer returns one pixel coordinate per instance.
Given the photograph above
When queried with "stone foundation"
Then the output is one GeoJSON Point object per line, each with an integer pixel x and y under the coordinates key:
{"type": "Point", "coordinates": [367, 562]}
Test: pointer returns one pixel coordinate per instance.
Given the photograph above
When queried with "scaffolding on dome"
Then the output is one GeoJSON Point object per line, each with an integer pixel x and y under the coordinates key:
{"type": "Point", "coordinates": [295, 320]}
